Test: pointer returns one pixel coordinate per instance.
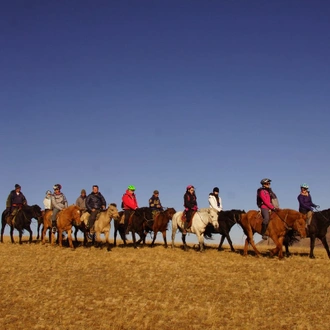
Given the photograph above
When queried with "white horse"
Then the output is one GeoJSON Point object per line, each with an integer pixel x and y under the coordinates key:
{"type": "Point", "coordinates": [102, 223]}
{"type": "Point", "coordinates": [200, 220]}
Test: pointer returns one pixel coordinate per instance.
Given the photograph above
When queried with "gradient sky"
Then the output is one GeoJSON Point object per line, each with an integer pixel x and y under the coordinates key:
{"type": "Point", "coordinates": [162, 94]}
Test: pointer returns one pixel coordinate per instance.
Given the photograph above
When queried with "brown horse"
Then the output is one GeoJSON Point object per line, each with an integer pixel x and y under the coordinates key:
{"type": "Point", "coordinates": [65, 220]}
{"type": "Point", "coordinates": [160, 223]}
{"type": "Point", "coordinates": [280, 222]}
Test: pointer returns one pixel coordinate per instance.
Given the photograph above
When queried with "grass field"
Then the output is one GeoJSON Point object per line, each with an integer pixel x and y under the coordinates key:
{"type": "Point", "coordinates": [44, 287]}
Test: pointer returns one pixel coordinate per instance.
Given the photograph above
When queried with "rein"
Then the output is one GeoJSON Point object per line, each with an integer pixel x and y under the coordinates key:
{"type": "Point", "coordinates": [324, 217]}
{"type": "Point", "coordinates": [284, 220]}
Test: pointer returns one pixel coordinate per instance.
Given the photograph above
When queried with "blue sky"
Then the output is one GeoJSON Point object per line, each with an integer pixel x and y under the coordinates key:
{"type": "Point", "coordinates": [162, 94]}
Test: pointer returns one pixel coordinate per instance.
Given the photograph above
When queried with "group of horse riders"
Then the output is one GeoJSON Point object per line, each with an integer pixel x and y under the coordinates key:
{"type": "Point", "coordinates": [95, 203]}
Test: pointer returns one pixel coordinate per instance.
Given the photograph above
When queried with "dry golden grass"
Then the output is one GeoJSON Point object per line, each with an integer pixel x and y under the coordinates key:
{"type": "Point", "coordinates": [44, 287]}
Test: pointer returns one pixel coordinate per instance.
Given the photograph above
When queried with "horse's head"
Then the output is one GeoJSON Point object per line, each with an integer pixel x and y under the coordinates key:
{"type": "Point", "coordinates": [213, 217]}
{"type": "Point", "coordinates": [113, 211]}
{"type": "Point", "coordinates": [170, 212]}
{"type": "Point", "coordinates": [76, 214]}
{"type": "Point", "coordinates": [300, 226]}
{"type": "Point", "coordinates": [36, 211]}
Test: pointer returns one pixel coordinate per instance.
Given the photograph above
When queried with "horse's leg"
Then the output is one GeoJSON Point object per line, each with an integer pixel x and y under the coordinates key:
{"type": "Point", "coordinates": [246, 246]}
{"type": "Point", "coordinates": [164, 237]}
{"type": "Point", "coordinates": [153, 240]}
{"type": "Point", "coordinates": [31, 233]}
{"type": "Point", "coordinates": [230, 242]}
{"type": "Point", "coordinates": [312, 244]}
{"type": "Point", "coordinates": [98, 239]}
{"type": "Point", "coordinates": [69, 238]}
{"type": "Point", "coordinates": [75, 233]}
{"type": "Point", "coordinates": [278, 241]}
{"type": "Point", "coordinates": [221, 242]}
{"type": "Point", "coordinates": [20, 234]}
{"type": "Point", "coordinates": [38, 229]}
{"type": "Point", "coordinates": [174, 229]}
{"type": "Point", "coordinates": [44, 230]}
{"type": "Point", "coordinates": [115, 236]}
{"type": "Point", "coordinates": [59, 237]}
{"type": "Point", "coordinates": [3, 225]}
{"type": "Point", "coordinates": [107, 237]}
{"type": "Point", "coordinates": [249, 235]}
{"type": "Point", "coordinates": [12, 234]}
{"type": "Point", "coordinates": [325, 244]}
{"type": "Point", "coordinates": [185, 247]}
{"type": "Point", "coordinates": [201, 242]}
{"type": "Point", "coordinates": [134, 238]}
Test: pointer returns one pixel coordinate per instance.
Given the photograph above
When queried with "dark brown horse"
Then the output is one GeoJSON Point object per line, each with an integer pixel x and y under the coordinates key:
{"type": "Point", "coordinates": [64, 221]}
{"type": "Point", "coordinates": [280, 222]}
{"type": "Point", "coordinates": [317, 229]}
{"type": "Point", "coordinates": [160, 223]}
{"type": "Point", "coordinates": [21, 222]}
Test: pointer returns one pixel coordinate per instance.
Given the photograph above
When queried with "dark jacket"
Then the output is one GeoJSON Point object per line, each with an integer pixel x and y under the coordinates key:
{"type": "Point", "coordinates": [155, 204]}
{"type": "Point", "coordinates": [190, 201]}
{"type": "Point", "coordinates": [305, 203]}
{"type": "Point", "coordinates": [14, 198]}
{"type": "Point", "coordinates": [95, 201]}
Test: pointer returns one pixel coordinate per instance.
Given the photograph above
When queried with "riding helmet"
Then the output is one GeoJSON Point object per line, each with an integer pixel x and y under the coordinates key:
{"type": "Point", "coordinates": [264, 181]}
{"type": "Point", "coordinates": [304, 185]}
{"type": "Point", "coordinates": [57, 186]}
{"type": "Point", "coordinates": [131, 187]}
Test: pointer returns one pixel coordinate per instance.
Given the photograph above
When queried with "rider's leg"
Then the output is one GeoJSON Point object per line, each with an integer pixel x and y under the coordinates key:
{"type": "Point", "coordinates": [55, 211]}
{"type": "Point", "coordinates": [265, 216]}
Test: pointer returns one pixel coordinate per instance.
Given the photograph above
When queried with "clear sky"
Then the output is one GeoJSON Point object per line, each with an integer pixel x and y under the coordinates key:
{"type": "Point", "coordinates": [162, 94]}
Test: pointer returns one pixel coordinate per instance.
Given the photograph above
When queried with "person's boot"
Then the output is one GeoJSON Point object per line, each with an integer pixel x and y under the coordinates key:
{"type": "Point", "coordinates": [263, 230]}
{"type": "Point", "coordinates": [54, 226]}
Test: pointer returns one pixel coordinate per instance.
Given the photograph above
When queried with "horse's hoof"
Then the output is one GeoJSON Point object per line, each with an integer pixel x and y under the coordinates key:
{"type": "Point", "coordinates": [312, 257]}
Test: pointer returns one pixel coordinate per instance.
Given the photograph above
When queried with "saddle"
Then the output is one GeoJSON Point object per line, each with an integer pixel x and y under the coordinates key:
{"type": "Point", "coordinates": [10, 219]}
{"type": "Point", "coordinates": [184, 218]}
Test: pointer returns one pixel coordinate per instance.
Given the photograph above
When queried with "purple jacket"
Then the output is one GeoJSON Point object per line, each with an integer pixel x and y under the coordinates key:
{"type": "Point", "coordinates": [305, 202]}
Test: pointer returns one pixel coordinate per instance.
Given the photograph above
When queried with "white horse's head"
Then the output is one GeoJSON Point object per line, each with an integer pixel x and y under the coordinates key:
{"type": "Point", "coordinates": [214, 218]}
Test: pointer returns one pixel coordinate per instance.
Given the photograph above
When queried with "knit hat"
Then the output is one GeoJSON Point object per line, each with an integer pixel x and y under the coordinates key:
{"type": "Point", "coordinates": [156, 192]}
{"type": "Point", "coordinates": [17, 186]}
{"type": "Point", "coordinates": [215, 189]}
{"type": "Point", "coordinates": [83, 191]}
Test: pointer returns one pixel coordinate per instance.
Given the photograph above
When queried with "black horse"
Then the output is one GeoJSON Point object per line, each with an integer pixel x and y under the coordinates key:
{"type": "Point", "coordinates": [317, 229]}
{"type": "Point", "coordinates": [226, 219]}
{"type": "Point", "coordinates": [140, 218]}
{"type": "Point", "coordinates": [22, 221]}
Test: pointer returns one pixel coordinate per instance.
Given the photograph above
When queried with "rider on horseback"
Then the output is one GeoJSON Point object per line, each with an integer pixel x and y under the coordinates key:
{"type": "Point", "coordinates": [305, 203]}
{"type": "Point", "coordinates": [265, 195]}
{"type": "Point", "coordinates": [215, 200]}
{"type": "Point", "coordinates": [15, 201]}
{"type": "Point", "coordinates": [190, 205]}
{"type": "Point", "coordinates": [154, 202]}
{"type": "Point", "coordinates": [59, 202]}
{"type": "Point", "coordinates": [129, 204]}
{"type": "Point", "coordinates": [95, 203]}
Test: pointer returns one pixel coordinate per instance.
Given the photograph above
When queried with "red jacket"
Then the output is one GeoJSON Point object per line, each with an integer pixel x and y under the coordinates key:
{"type": "Point", "coordinates": [266, 200]}
{"type": "Point", "coordinates": [129, 201]}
